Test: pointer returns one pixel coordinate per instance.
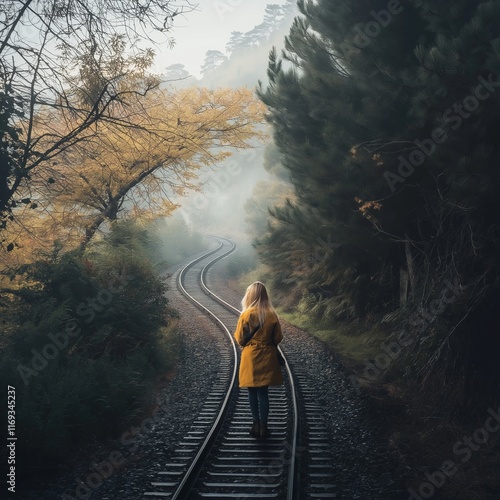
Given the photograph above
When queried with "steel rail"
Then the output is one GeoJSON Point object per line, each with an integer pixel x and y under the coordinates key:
{"type": "Point", "coordinates": [193, 470]}
{"type": "Point", "coordinates": [191, 484]}
{"type": "Point", "coordinates": [293, 469]}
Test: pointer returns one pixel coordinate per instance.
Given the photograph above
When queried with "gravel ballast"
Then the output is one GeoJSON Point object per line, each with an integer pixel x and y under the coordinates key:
{"type": "Point", "coordinates": [363, 467]}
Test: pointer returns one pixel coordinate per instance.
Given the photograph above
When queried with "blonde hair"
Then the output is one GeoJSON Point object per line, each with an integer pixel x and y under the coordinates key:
{"type": "Point", "coordinates": [256, 296]}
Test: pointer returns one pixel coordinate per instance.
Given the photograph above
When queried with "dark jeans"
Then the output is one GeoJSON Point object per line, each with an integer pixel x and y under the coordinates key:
{"type": "Point", "coordinates": [258, 398]}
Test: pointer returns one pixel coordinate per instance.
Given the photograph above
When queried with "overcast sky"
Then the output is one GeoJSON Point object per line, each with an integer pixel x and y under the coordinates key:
{"type": "Point", "coordinates": [209, 28]}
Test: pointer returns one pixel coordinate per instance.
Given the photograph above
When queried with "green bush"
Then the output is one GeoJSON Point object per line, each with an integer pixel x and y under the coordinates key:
{"type": "Point", "coordinates": [85, 336]}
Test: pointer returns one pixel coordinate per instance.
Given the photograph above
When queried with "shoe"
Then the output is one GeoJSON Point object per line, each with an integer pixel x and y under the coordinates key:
{"type": "Point", "coordinates": [264, 431]}
{"type": "Point", "coordinates": [255, 430]}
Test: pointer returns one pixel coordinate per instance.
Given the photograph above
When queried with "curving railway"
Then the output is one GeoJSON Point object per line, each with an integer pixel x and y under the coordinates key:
{"type": "Point", "coordinates": [217, 458]}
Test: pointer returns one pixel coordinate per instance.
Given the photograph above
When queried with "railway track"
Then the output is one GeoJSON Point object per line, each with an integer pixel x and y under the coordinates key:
{"type": "Point", "coordinates": [217, 458]}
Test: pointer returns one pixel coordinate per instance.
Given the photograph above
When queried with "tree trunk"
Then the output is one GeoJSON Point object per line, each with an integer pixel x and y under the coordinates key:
{"type": "Point", "coordinates": [410, 266]}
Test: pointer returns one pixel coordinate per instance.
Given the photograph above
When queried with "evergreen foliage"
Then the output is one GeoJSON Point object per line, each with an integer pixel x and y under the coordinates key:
{"type": "Point", "coordinates": [386, 117]}
{"type": "Point", "coordinates": [213, 59]}
{"type": "Point", "coordinates": [274, 18]}
{"type": "Point", "coordinates": [83, 339]}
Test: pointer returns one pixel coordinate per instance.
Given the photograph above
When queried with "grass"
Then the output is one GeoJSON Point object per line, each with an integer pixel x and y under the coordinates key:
{"type": "Point", "coordinates": [355, 346]}
{"type": "Point", "coordinates": [420, 436]}
{"type": "Point", "coordinates": [354, 342]}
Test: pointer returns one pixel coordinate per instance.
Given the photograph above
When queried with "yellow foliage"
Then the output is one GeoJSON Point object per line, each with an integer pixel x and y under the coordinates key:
{"type": "Point", "coordinates": [365, 206]}
{"type": "Point", "coordinates": [136, 165]}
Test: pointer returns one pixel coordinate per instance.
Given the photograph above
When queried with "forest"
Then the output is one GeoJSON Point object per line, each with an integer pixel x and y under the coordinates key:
{"type": "Point", "coordinates": [386, 131]}
{"type": "Point", "coordinates": [359, 172]}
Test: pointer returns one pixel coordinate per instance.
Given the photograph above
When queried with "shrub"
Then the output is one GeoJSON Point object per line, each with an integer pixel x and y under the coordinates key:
{"type": "Point", "coordinates": [105, 315]}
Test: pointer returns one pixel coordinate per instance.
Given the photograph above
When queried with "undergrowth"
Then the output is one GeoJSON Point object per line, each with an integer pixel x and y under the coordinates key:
{"type": "Point", "coordinates": [85, 336]}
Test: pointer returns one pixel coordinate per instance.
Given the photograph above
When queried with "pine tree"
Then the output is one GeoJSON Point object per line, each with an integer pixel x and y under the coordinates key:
{"type": "Point", "coordinates": [320, 114]}
{"type": "Point", "coordinates": [176, 72]}
{"type": "Point", "coordinates": [213, 59]}
{"type": "Point", "coordinates": [386, 117]}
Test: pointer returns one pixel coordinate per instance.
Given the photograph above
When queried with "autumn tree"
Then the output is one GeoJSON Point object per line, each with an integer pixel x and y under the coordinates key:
{"type": "Point", "coordinates": [55, 56]}
{"type": "Point", "coordinates": [140, 166]}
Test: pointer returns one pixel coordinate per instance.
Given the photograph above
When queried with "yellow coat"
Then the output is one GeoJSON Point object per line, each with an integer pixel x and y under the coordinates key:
{"type": "Point", "coordinates": [259, 364]}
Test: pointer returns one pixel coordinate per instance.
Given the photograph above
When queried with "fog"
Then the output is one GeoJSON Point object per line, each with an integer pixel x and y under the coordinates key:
{"type": "Point", "coordinates": [224, 188]}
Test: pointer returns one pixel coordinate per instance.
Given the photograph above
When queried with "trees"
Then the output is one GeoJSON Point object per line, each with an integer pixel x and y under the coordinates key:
{"type": "Point", "coordinates": [85, 336]}
{"type": "Point", "coordinates": [213, 59]}
{"type": "Point", "coordinates": [139, 163]}
{"type": "Point", "coordinates": [86, 131]}
{"type": "Point", "coordinates": [67, 57]}
{"type": "Point", "coordinates": [275, 18]}
{"type": "Point", "coordinates": [141, 168]}
{"type": "Point", "coordinates": [176, 72]}
{"type": "Point", "coordinates": [385, 116]}
{"type": "Point", "coordinates": [10, 146]}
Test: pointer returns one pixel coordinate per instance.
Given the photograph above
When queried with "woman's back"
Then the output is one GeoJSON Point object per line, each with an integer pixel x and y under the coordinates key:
{"type": "Point", "coordinates": [258, 332]}
{"type": "Point", "coordinates": [264, 335]}
{"type": "Point", "coordinates": [259, 361]}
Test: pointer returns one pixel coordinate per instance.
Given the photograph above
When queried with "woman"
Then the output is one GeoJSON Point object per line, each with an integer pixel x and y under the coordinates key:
{"type": "Point", "coordinates": [259, 332]}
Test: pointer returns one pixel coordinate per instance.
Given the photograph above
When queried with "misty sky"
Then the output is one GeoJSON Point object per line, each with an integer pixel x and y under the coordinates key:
{"type": "Point", "coordinates": [209, 28]}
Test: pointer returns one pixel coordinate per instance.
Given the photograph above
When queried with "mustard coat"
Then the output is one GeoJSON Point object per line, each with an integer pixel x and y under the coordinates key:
{"type": "Point", "coordinates": [259, 364]}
